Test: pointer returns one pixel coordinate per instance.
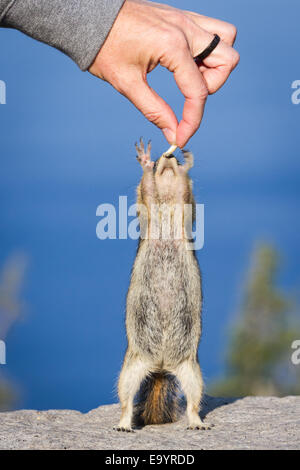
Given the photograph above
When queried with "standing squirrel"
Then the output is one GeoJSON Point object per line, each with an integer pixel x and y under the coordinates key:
{"type": "Point", "coordinates": [164, 300]}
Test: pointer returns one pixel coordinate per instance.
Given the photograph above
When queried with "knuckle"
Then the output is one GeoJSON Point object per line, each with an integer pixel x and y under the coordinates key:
{"type": "Point", "coordinates": [193, 124]}
{"type": "Point", "coordinates": [174, 36]}
{"type": "Point", "coordinates": [177, 17]}
{"type": "Point", "coordinates": [166, 36]}
{"type": "Point", "coordinates": [231, 31]}
{"type": "Point", "coordinates": [183, 21]}
{"type": "Point", "coordinates": [153, 116]}
{"type": "Point", "coordinates": [235, 58]}
{"type": "Point", "coordinates": [203, 93]}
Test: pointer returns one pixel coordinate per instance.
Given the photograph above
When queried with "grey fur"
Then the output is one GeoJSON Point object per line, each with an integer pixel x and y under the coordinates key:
{"type": "Point", "coordinates": [164, 300]}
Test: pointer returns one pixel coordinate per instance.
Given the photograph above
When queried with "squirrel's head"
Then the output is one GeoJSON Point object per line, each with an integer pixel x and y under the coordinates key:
{"type": "Point", "coordinates": [170, 176]}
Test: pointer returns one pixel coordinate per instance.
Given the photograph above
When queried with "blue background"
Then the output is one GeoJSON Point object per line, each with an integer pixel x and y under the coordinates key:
{"type": "Point", "coordinates": [67, 146]}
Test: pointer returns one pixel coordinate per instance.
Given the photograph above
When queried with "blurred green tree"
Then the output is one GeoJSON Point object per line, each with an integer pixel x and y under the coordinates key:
{"type": "Point", "coordinates": [11, 306]}
{"type": "Point", "coordinates": [258, 361]}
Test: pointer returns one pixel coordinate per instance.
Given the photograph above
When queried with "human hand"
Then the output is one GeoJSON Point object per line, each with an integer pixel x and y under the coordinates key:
{"type": "Point", "coordinates": [146, 34]}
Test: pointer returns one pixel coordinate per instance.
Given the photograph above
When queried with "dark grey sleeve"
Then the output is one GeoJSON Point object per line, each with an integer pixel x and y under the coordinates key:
{"type": "Point", "coordinates": [76, 27]}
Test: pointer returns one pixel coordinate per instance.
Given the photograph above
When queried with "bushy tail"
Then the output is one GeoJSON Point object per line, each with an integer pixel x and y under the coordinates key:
{"type": "Point", "coordinates": [158, 400]}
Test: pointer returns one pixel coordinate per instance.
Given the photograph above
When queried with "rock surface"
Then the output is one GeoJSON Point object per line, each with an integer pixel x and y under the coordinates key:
{"type": "Point", "coordinates": [247, 423]}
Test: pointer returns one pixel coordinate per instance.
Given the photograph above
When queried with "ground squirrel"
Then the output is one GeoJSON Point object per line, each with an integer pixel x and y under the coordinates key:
{"type": "Point", "coordinates": [164, 300]}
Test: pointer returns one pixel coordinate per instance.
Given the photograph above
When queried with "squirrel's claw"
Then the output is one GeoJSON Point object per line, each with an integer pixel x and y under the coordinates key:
{"type": "Point", "coordinates": [144, 156]}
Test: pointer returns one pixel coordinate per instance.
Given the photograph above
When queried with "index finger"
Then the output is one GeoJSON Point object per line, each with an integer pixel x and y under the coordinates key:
{"type": "Point", "coordinates": [193, 87]}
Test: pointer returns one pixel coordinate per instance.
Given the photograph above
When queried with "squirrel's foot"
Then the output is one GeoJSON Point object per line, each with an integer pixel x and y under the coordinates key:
{"type": "Point", "coordinates": [195, 422]}
{"type": "Point", "coordinates": [143, 156]}
{"type": "Point", "coordinates": [200, 426]}
{"type": "Point", "coordinates": [123, 429]}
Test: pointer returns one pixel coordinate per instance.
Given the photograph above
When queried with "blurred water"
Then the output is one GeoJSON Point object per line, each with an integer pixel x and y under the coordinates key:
{"type": "Point", "coordinates": [67, 146]}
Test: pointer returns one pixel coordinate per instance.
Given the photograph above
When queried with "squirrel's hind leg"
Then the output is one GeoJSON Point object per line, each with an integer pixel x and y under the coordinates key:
{"type": "Point", "coordinates": [133, 372]}
{"type": "Point", "coordinates": [189, 375]}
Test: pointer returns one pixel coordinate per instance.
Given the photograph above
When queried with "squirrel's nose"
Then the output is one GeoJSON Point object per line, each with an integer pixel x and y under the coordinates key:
{"type": "Point", "coordinates": [169, 161]}
{"type": "Point", "coordinates": [166, 162]}
{"type": "Point", "coordinates": [169, 156]}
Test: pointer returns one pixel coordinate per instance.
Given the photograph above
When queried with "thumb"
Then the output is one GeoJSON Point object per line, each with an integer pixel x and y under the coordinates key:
{"type": "Point", "coordinates": [152, 106]}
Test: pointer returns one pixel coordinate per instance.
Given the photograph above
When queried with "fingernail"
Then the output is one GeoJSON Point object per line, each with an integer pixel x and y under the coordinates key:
{"type": "Point", "coordinates": [169, 135]}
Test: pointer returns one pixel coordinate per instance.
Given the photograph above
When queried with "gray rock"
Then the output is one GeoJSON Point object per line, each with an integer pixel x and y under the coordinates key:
{"type": "Point", "coordinates": [246, 423]}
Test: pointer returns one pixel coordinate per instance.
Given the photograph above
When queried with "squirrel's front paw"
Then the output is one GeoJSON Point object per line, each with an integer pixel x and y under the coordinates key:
{"type": "Point", "coordinates": [143, 156]}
